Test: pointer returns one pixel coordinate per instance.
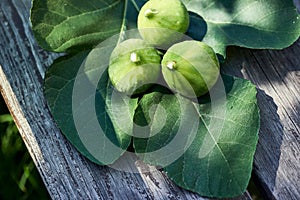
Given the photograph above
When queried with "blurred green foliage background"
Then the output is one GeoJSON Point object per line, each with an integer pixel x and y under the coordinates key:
{"type": "Point", "coordinates": [19, 178]}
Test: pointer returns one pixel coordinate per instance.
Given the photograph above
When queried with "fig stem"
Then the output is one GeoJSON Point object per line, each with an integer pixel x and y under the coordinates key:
{"type": "Point", "coordinates": [171, 65]}
{"type": "Point", "coordinates": [134, 57]}
{"type": "Point", "coordinates": [150, 12]}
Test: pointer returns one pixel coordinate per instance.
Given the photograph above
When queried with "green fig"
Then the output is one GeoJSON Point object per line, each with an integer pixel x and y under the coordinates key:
{"type": "Point", "coordinates": [134, 65]}
{"type": "Point", "coordinates": [163, 22]}
{"type": "Point", "coordinates": [190, 68]}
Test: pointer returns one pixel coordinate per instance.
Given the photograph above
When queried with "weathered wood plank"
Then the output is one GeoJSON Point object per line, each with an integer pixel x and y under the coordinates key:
{"type": "Point", "coordinates": [69, 175]}
{"type": "Point", "coordinates": [66, 173]}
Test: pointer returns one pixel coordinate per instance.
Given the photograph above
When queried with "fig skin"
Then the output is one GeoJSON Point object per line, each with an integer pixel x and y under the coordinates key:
{"type": "Point", "coordinates": [163, 22]}
{"type": "Point", "coordinates": [190, 68]}
{"type": "Point", "coordinates": [134, 65]}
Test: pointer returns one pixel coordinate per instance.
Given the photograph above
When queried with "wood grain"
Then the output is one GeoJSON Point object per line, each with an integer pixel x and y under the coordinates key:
{"type": "Point", "coordinates": [68, 175]}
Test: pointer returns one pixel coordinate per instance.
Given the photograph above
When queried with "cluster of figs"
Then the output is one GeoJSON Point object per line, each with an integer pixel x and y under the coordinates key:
{"type": "Point", "coordinates": [188, 67]}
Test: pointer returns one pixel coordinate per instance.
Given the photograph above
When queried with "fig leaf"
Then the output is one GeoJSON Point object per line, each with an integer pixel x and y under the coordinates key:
{"type": "Point", "coordinates": [204, 147]}
{"type": "Point", "coordinates": [81, 105]}
{"type": "Point", "coordinates": [73, 25]}
{"type": "Point", "coordinates": [269, 24]}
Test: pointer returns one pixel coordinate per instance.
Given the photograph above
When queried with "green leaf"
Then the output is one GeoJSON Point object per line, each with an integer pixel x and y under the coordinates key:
{"type": "Point", "coordinates": [79, 95]}
{"type": "Point", "coordinates": [6, 118]}
{"type": "Point", "coordinates": [213, 155]}
{"type": "Point", "coordinates": [66, 25]}
{"type": "Point", "coordinates": [161, 133]}
{"type": "Point", "coordinates": [273, 24]}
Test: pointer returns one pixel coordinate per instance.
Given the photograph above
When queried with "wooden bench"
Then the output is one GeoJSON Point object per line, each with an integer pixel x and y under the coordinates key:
{"type": "Point", "coordinates": [68, 175]}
